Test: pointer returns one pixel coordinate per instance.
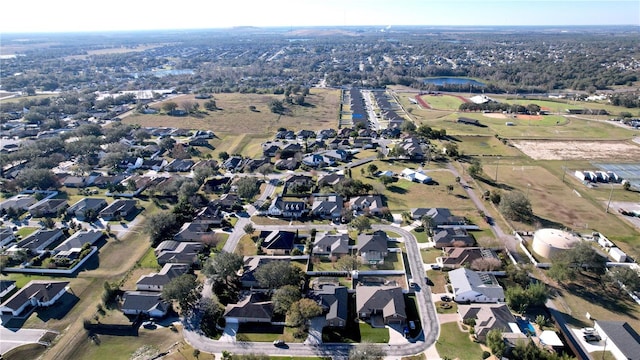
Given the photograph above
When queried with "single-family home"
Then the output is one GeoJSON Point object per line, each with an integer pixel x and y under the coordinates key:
{"type": "Point", "coordinates": [76, 181]}
{"type": "Point", "coordinates": [87, 206]}
{"type": "Point", "coordinates": [297, 184]}
{"type": "Point", "coordinates": [456, 237]}
{"type": "Point", "coordinates": [6, 287]}
{"type": "Point", "coordinates": [277, 242]}
{"type": "Point", "coordinates": [371, 204]}
{"type": "Point", "coordinates": [227, 202]}
{"type": "Point", "coordinates": [216, 184]}
{"type": "Point", "coordinates": [232, 163]}
{"type": "Point", "coordinates": [287, 208]}
{"type": "Point", "coordinates": [290, 150]}
{"type": "Point", "coordinates": [6, 236]}
{"type": "Point", "coordinates": [119, 209]}
{"type": "Point", "coordinates": [254, 308]}
{"type": "Point", "coordinates": [287, 164]}
{"type": "Point", "coordinates": [193, 231]}
{"type": "Point", "coordinates": [251, 165]}
{"type": "Point", "coordinates": [381, 305]}
{"type": "Point", "coordinates": [172, 251]}
{"type": "Point", "coordinates": [78, 240]}
{"type": "Point", "coordinates": [210, 215]}
{"type": "Point", "coordinates": [252, 264]}
{"type": "Point", "coordinates": [621, 339]}
{"type": "Point", "coordinates": [337, 155]}
{"type": "Point", "coordinates": [438, 217]}
{"type": "Point", "coordinates": [327, 206]}
{"type": "Point", "coordinates": [153, 164]}
{"type": "Point", "coordinates": [372, 248]}
{"type": "Point", "coordinates": [144, 303]}
{"type": "Point", "coordinates": [330, 180]}
{"type": "Point", "coordinates": [332, 245]}
{"type": "Point", "coordinates": [37, 293]}
{"type": "Point", "coordinates": [472, 286]}
{"type": "Point", "coordinates": [37, 242]}
{"type": "Point", "coordinates": [157, 281]}
{"type": "Point", "coordinates": [20, 203]}
{"type": "Point", "coordinates": [269, 149]}
{"type": "Point", "coordinates": [335, 304]}
{"type": "Point", "coordinates": [318, 160]}
{"type": "Point", "coordinates": [179, 165]}
{"type": "Point", "coordinates": [487, 317]}
{"type": "Point", "coordinates": [411, 147]}
{"type": "Point", "coordinates": [456, 257]}
{"type": "Point", "coordinates": [209, 164]}
{"type": "Point", "coordinates": [48, 207]}
{"type": "Point", "coordinates": [339, 143]}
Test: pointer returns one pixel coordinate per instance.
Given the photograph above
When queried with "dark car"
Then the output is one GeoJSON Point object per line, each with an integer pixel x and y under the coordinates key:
{"type": "Point", "coordinates": [591, 338]}
{"type": "Point", "coordinates": [279, 343]}
{"type": "Point", "coordinates": [445, 298]}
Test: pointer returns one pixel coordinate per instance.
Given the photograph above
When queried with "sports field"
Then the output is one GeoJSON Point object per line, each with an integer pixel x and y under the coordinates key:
{"type": "Point", "coordinates": [442, 102]}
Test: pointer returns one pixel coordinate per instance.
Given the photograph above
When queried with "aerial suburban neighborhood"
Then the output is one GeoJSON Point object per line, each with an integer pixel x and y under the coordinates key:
{"type": "Point", "coordinates": [158, 209]}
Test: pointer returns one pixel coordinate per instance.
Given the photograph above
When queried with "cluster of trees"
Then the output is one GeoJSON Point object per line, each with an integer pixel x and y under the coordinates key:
{"type": "Point", "coordinates": [524, 349]}
{"type": "Point", "coordinates": [500, 107]}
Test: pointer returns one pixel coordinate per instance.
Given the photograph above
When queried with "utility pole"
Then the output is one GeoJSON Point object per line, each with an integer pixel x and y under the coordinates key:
{"type": "Point", "coordinates": [610, 195]}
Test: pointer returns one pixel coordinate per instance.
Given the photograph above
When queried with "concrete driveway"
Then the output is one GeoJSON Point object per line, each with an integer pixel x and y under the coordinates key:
{"type": "Point", "coordinates": [12, 338]}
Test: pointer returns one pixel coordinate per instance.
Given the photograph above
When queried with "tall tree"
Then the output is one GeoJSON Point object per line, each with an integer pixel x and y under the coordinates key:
{"type": "Point", "coordinates": [361, 223]}
{"type": "Point", "coordinates": [276, 274]}
{"type": "Point", "coordinates": [284, 297]}
{"type": "Point", "coordinates": [223, 267]}
{"type": "Point", "coordinates": [169, 107]}
{"type": "Point", "coordinates": [302, 311]}
{"type": "Point", "coordinates": [514, 205]}
{"type": "Point", "coordinates": [185, 289]}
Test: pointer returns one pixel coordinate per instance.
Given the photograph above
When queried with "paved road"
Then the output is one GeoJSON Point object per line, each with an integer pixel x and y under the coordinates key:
{"type": "Point", "coordinates": [12, 338]}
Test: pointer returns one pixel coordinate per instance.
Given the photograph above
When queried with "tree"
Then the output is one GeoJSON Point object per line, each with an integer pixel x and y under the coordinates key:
{"type": "Point", "coordinates": [167, 143]}
{"type": "Point", "coordinates": [365, 351]}
{"type": "Point", "coordinates": [495, 342]}
{"type": "Point", "coordinates": [223, 267]}
{"type": "Point", "coordinates": [276, 106]}
{"type": "Point", "coordinates": [190, 106]}
{"type": "Point", "coordinates": [223, 155]}
{"type": "Point", "coordinates": [348, 263]}
{"type": "Point", "coordinates": [302, 311]}
{"type": "Point", "coordinates": [475, 169]}
{"type": "Point", "coordinates": [249, 229]}
{"type": "Point", "coordinates": [42, 179]}
{"type": "Point", "coordinates": [517, 298]}
{"type": "Point", "coordinates": [141, 135]}
{"type": "Point", "coordinates": [211, 105]}
{"type": "Point", "coordinates": [212, 311]}
{"type": "Point", "coordinates": [265, 169]}
{"type": "Point", "coordinates": [486, 264]}
{"type": "Point", "coordinates": [276, 274]}
{"type": "Point", "coordinates": [515, 206]}
{"type": "Point", "coordinates": [622, 275]}
{"type": "Point", "coordinates": [161, 226]}
{"type": "Point", "coordinates": [568, 264]}
{"type": "Point", "coordinates": [169, 107]}
{"type": "Point", "coordinates": [248, 187]}
{"type": "Point", "coordinates": [360, 223]}
{"type": "Point", "coordinates": [185, 289]}
{"type": "Point", "coordinates": [372, 169]}
{"type": "Point", "coordinates": [284, 297]}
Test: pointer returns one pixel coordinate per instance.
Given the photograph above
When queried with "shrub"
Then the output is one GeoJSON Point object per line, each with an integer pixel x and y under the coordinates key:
{"type": "Point", "coordinates": [485, 354]}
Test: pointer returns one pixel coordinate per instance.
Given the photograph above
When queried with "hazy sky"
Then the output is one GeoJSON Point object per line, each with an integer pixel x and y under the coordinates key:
{"type": "Point", "coordinates": [122, 15]}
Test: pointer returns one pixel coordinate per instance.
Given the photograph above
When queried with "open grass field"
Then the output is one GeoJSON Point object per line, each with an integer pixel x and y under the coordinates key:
{"type": "Point", "coordinates": [455, 344]}
{"type": "Point", "coordinates": [561, 105]}
{"type": "Point", "coordinates": [234, 116]}
{"type": "Point", "coordinates": [485, 145]}
{"type": "Point", "coordinates": [442, 102]}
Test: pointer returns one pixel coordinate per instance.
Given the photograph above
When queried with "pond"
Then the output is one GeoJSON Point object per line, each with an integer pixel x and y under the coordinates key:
{"type": "Point", "coordinates": [440, 81]}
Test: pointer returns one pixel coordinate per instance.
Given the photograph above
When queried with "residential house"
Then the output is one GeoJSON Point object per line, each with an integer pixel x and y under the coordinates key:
{"type": "Point", "coordinates": [332, 245]}
{"type": "Point", "coordinates": [290, 150]}
{"type": "Point", "coordinates": [318, 160]}
{"type": "Point", "coordinates": [287, 208]}
{"type": "Point", "coordinates": [456, 257]}
{"type": "Point", "coordinates": [193, 231]}
{"type": "Point", "coordinates": [252, 264]}
{"type": "Point", "coordinates": [211, 164]}
{"type": "Point", "coordinates": [48, 207]}
{"type": "Point", "coordinates": [298, 184]}
{"type": "Point", "coordinates": [157, 281]}
{"type": "Point", "coordinates": [227, 202]}
{"type": "Point", "coordinates": [270, 149]}
{"type": "Point", "coordinates": [179, 165]}
{"type": "Point", "coordinates": [416, 176]}
{"type": "Point", "coordinates": [37, 293]}
{"type": "Point", "coordinates": [87, 206]}
{"type": "Point", "coordinates": [6, 236]}
{"type": "Point", "coordinates": [372, 248]}
{"type": "Point", "coordinates": [6, 287]}
{"type": "Point", "coordinates": [412, 148]}
{"type": "Point", "coordinates": [37, 242]}
{"type": "Point", "coordinates": [472, 286]}
{"type": "Point", "coordinates": [438, 217]}
{"type": "Point", "coordinates": [287, 164]}
{"type": "Point", "coordinates": [381, 305]}
{"type": "Point", "coordinates": [621, 339]}
{"type": "Point", "coordinates": [364, 143]}
{"type": "Point", "coordinates": [144, 303]}
{"type": "Point", "coordinates": [119, 209]}
{"type": "Point", "coordinates": [20, 203]}
{"type": "Point", "coordinates": [104, 181]}
{"type": "Point", "coordinates": [285, 134]}
{"type": "Point", "coordinates": [487, 317]}
{"type": "Point", "coordinates": [171, 251]}
{"type": "Point", "coordinates": [277, 242]}
{"type": "Point", "coordinates": [76, 181]}
{"type": "Point", "coordinates": [327, 206]}
{"type": "Point", "coordinates": [217, 184]}
{"type": "Point", "coordinates": [370, 204]}
{"type": "Point", "coordinates": [233, 163]}
{"type": "Point", "coordinates": [76, 241]}
{"type": "Point", "coordinates": [337, 155]}
{"type": "Point", "coordinates": [335, 304]}
{"type": "Point", "coordinates": [330, 180]}
{"type": "Point", "coordinates": [457, 237]}
{"type": "Point", "coordinates": [210, 215]}
{"type": "Point", "coordinates": [326, 134]}
{"type": "Point", "coordinates": [339, 143]}
{"type": "Point", "coordinates": [305, 134]}
{"type": "Point", "coordinates": [254, 308]}
{"type": "Point", "coordinates": [153, 164]}
{"type": "Point", "coordinates": [251, 165]}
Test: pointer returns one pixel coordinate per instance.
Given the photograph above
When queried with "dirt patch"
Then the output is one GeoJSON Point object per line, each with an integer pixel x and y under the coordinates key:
{"type": "Point", "coordinates": [529, 117]}
{"type": "Point", "coordinates": [495, 115]}
{"type": "Point", "coordinates": [578, 150]}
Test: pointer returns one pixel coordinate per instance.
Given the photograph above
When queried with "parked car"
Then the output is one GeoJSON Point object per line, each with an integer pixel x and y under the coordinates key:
{"type": "Point", "coordinates": [445, 298]}
{"type": "Point", "coordinates": [435, 266]}
{"type": "Point", "coordinates": [591, 338]}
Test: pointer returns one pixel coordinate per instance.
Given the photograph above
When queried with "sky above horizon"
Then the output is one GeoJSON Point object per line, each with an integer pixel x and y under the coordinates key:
{"type": "Point", "coordinates": [121, 15]}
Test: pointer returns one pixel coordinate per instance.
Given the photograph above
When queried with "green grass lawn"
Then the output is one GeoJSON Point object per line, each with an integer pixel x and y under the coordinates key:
{"type": "Point", "coordinates": [439, 280]}
{"type": "Point", "coordinates": [393, 261]}
{"type": "Point", "coordinates": [259, 332]}
{"type": "Point", "coordinates": [246, 246]}
{"type": "Point", "coordinates": [454, 343]}
{"type": "Point", "coordinates": [149, 260]}
{"type": "Point", "coordinates": [430, 255]}
{"type": "Point", "coordinates": [486, 145]}
{"type": "Point", "coordinates": [442, 102]}
{"type": "Point", "coordinates": [373, 335]}
{"type": "Point", "coordinates": [444, 310]}
{"type": "Point", "coordinates": [23, 232]}
{"type": "Point", "coordinates": [420, 234]}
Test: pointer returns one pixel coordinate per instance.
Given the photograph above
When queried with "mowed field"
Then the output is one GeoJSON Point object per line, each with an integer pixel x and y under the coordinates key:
{"type": "Point", "coordinates": [234, 116]}
{"type": "Point", "coordinates": [442, 102]}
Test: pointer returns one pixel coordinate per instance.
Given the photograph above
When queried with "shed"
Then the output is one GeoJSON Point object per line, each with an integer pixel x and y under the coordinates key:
{"type": "Point", "coordinates": [617, 254]}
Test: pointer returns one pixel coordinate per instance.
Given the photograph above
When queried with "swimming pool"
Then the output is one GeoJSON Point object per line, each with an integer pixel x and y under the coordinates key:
{"type": "Point", "coordinates": [526, 327]}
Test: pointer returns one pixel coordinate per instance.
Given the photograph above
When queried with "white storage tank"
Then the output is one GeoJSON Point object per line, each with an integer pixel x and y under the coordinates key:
{"type": "Point", "coordinates": [549, 242]}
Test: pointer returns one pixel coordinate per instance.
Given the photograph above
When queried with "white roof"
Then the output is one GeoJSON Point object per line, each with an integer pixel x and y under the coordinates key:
{"type": "Point", "coordinates": [549, 337]}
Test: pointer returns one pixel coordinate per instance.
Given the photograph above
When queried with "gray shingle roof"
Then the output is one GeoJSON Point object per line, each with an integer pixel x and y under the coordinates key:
{"type": "Point", "coordinates": [373, 242]}
{"type": "Point", "coordinates": [623, 336]}
{"type": "Point", "coordinates": [389, 299]}
{"type": "Point", "coordinates": [335, 299]}
{"type": "Point", "coordinates": [42, 290]}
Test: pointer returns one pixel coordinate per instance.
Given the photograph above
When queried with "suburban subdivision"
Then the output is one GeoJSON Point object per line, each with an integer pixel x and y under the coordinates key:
{"type": "Point", "coordinates": [181, 203]}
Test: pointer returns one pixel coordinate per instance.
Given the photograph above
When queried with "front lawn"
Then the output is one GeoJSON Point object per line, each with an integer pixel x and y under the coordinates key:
{"type": "Point", "coordinates": [369, 334]}
{"type": "Point", "coordinates": [23, 232]}
{"type": "Point", "coordinates": [429, 255]}
{"type": "Point", "coordinates": [454, 343]}
{"type": "Point", "coordinates": [421, 235]}
{"type": "Point", "coordinates": [259, 332]}
{"type": "Point", "coordinates": [439, 280]}
{"type": "Point", "coordinates": [246, 246]}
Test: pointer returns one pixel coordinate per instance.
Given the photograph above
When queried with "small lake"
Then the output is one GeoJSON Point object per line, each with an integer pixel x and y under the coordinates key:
{"type": "Point", "coordinates": [440, 81]}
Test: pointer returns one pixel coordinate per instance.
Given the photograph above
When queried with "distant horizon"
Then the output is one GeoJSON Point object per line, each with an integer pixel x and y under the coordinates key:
{"type": "Point", "coordinates": [73, 16]}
